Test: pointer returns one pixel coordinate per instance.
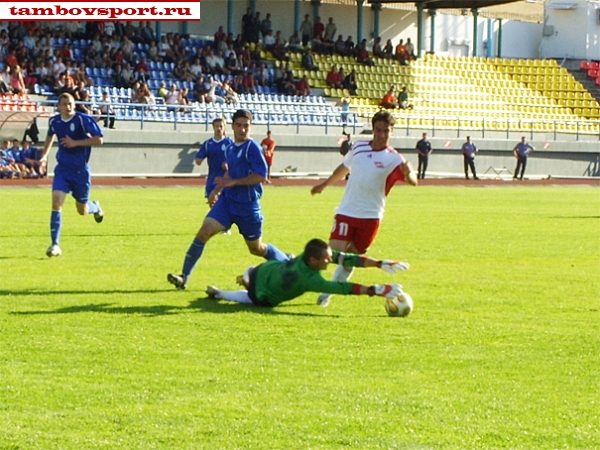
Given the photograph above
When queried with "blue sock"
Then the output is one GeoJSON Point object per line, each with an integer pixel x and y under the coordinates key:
{"type": "Point", "coordinates": [276, 254]}
{"type": "Point", "coordinates": [55, 224]}
{"type": "Point", "coordinates": [92, 208]}
{"type": "Point", "coordinates": [192, 256]}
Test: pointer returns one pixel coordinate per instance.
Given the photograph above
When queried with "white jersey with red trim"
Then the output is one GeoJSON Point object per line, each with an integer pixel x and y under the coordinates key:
{"type": "Point", "coordinates": [372, 175]}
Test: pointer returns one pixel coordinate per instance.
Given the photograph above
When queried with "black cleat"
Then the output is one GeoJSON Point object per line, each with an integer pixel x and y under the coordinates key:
{"type": "Point", "coordinates": [178, 281]}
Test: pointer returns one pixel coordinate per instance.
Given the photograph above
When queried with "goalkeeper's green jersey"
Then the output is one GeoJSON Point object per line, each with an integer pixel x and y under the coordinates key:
{"type": "Point", "coordinates": [279, 281]}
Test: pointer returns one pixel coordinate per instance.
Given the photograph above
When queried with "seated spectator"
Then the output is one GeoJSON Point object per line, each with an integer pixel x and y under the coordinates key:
{"type": "Point", "coordinates": [350, 82]}
{"type": "Point", "coordinates": [279, 51]}
{"type": "Point", "coordinates": [403, 99]}
{"type": "Point", "coordinates": [231, 97]}
{"type": "Point", "coordinates": [83, 104]}
{"type": "Point", "coordinates": [388, 49]}
{"type": "Point", "coordinates": [238, 84]}
{"type": "Point", "coordinates": [199, 91]}
{"type": "Point", "coordinates": [250, 82]}
{"type": "Point", "coordinates": [31, 156]}
{"type": "Point", "coordinates": [334, 79]}
{"type": "Point", "coordinates": [377, 49]}
{"type": "Point", "coordinates": [153, 52]}
{"type": "Point", "coordinates": [211, 96]}
{"type": "Point", "coordinates": [184, 72]}
{"type": "Point", "coordinates": [339, 46]}
{"type": "Point", "coordinates": [302, 87]}
{"type": "Point", "coordinates": [362, 54]}
{"type": "Point", "coordinates": [389, 99]}
{"type": "Point", "coordinates": [262, 75]}
{"type": "Point", "coordinates": [294, 43]}
{"type": "Point", "coordinates": [68, 86]}
{"type": "Point", "coordinates": [286, 84]}
{"type": "Point", "coordinates": [401, 54]}
{"type": "Point", "coordinates": [142, 65]}
{"type": "Point", "coordinates": [146, 97]}
{"type": "Point", "coordinates": [410, 50]}
{"type": "Point", "coordinates": [162, 90]}
{"type": "Point", "coordinates": [232, 65]}
{"type": "Point", "coordinates": [196, 68]}
{"type": "Point", "coordinates": [184, 101]}
{"type": "Point", "coordinates": [269, 41]}
{"type": "Point", "coordinates": [5, 80]}
{"type": "Point", "coordinates": [307, 61]}
{"type": "Point", "coordinates": [350, 47]}
{"type": "Point", "coordinates": [106, 111]}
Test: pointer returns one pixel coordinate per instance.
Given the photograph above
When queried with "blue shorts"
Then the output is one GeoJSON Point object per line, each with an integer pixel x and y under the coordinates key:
{"type": "Point", "coordinates": [74, 182]}
{"type": "Point", "coordinates": [247, 216]}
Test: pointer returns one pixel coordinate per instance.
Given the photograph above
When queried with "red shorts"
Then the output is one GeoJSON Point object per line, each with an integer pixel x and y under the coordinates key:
{"type": "Point", "coordinates": [269, 160]}
{"type": "Point", "coordinates": [361, 232]}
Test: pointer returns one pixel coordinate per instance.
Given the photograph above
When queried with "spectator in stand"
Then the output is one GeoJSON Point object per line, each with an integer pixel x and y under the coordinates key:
{"type": "Point", "coordinates": [330, 31]}
{"type": "Point", "coordinates": [183, 72]}
{"type": "Point", "coordinates": [350, 82]}
{"type": "Point", "coordinates": [164, 50]}
{"type": "Point", "coordinates": [142, 65]}
{"type": "Point", "coordinates": [279, 50]}
{"type": "Point", "coordinates": [350, 47]}
{"type": "Point", "coordinates": [302, 87]}
{"type": "Point", "coordinates": [127, 48]}
{"type": "Point", "coordinates": [58, 67]}
{"type": "Point", "coordinates": [147, 34]}
{"type": "Point", "coordinates": [250, 82]}
{"type": "Point", "coordinates": [307, 61]}
{"type": "Point", "coordinates": [388, 49]}
{"type": "Point", "coordinates": [362, 54]}
{"type": "Point", "coordinates": [232, 65]}
{"type": "Point", "coordinates": [66, 52]}
{"type": "Point", "coordinates": [377, 49]}
{"type": "Point", "coordinates": [294, 42]}
{"type": "Point", "coordinates": [263, 77]}
{"type": "Point", "coordinates": [153, 52]}
{"type": "Point", "coordinates": [318, 29]}
{"type": "Point", "coordinates": [107, 113]}
{"type": "Point", "coordinates": [339, 46]}
{"type": "Point", "coordinates": [401, 55]}
{"type": "Point", "coordinates": [286, 85]}
{"type": "Point", "coordinates": [84, 103]}
{"type": "Point", "coordinates": [146, 97]}
{"type": "Point", "coordinates": [127, 75]}
{"type": "Point", "coordinates": [184, 101]}
{"type": "Point", "coordinates": [247, 20]}
{"type": "Point", "coordinates": [5, 81]}
{"type": "Point", "coordinates": [238, 84]}
{"type": "Point", "coordinates": [269, 41]}
{"type": "Point", "coordinates": [231, 97]}
{"type": "Point", "coordinates": [255, 28]}
{"type": "Point", "coordinates": [211, 95]}
{"type": "Point", "coordinates": [196, 68]}
{"type": "Point", "coordinates": [389, 99]}
{"type": "Point", "coordinates": [403, 99]}
{"type": "Point", "coordinates": [172, 98]}
{"type": "Point", "coordinates": [410, 50]}
{"type": "Point", "coordinates": [220, 35]}
{"type": "Point", "coordinates": [162, 90]}
{"type": "Point", "coordinates": [306, 30]}
{"type": "Point", "coordinates": [68, 87]}
{"type": "Point", "coordinates": [266, 26]}
{"type": "Point", "coordinates": [334, 79]}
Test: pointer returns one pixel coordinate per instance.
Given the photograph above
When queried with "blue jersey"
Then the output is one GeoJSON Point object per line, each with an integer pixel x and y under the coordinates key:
{"type": "Point", "coordinates": [80, 126]}
{"type": "Point", "coordinates": [243, 160]}
{"type": "Point", "coordinates": [469, 149]}
{"type": "Point", "coordinates": [215, 153]}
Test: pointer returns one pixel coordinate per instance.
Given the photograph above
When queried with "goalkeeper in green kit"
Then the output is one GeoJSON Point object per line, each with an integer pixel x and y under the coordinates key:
{"type": "Point", "coordinates": [274, 282]}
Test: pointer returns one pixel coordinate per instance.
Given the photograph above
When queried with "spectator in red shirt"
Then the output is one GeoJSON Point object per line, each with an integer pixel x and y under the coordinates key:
{"type": "Point", "coordinates": [334, 79]}
{"type": "Point", "coordinates": [318, 29]}
{"type": "Point", "coordinates": [302, 87]}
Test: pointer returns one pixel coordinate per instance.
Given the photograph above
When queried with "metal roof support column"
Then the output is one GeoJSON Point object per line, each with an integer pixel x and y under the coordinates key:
{"type": "Point", "coordinates": [297, 14]}
{"type": "Point", "coordinates": [376, 7]}
{"type": "Point", "coordinates": [432, 14]}
{"type": "Point", "coordinates": [475, 12]}
{"type": "Point", "coordinates": [230, 9]}
{"type": "Point", "coordinates": [420, 31]}
{"type": "Point", "coordinates": [359, 21]}
{"type": "Point", "coordinates": [316, 5]}
{"type": "Point", "coordinates": [499, 38]}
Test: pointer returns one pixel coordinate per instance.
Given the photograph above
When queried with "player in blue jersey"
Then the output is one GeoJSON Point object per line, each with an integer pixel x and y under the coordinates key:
{"type": "Point", "coordinates": [76, 134]}
{"type": "Point", "coordinates": [236, 201]}
{"type": "Point", "coordinates": [213, 150]}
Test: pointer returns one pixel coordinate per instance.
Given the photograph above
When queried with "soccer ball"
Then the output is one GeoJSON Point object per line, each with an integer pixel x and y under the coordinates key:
{"type": "Point", "coordinates": [400, 306]}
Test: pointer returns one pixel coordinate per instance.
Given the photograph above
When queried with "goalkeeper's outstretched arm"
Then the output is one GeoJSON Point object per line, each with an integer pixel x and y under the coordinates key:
{"type": "Point", "coordinates": [354, 260]}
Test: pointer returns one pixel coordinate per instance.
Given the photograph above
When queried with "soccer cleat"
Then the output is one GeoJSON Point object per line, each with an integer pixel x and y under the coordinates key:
{"type": "Point", "coordinates": [53, 250]}
{"type": "Point", "coordinates": [98, 216]}
{"type": "Point", "coordinates": [177, 280]}
{"type": "Point", "coordinates": [324, 299]}
{"type": "Point", "coordinates": [212, 292]}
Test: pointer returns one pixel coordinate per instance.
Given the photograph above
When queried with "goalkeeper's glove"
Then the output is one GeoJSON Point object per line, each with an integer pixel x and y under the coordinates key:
{"type": "Point", "coordinates": [386, 290]}
{"type": "Point", "coordinates": [393, 266]}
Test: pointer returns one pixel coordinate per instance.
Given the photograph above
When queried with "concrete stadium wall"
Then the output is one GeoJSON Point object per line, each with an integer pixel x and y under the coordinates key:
{"type": "Point", "coordinates": [154, 152]}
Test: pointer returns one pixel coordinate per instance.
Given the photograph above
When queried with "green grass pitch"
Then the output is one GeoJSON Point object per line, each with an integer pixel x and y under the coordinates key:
{"type": "Point", "coordinates": [98, 351]}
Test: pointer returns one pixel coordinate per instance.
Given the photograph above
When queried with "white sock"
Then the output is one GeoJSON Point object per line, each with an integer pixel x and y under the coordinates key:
{"type": "Point", "coordinates": [234, 296]}
{"type": "Point", "coordinates": [342, 273]}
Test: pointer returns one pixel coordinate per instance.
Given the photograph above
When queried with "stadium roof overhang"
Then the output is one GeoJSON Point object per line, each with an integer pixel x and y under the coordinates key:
{"type": "Point", "coordinates": [454, 4]}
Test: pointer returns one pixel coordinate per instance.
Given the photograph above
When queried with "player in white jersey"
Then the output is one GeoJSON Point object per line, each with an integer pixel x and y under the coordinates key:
{"type": "Point", "coordinates": [375, 167]}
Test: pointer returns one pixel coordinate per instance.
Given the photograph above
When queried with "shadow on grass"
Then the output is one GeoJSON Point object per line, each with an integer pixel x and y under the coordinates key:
{"type": "Point", "coordinates": [203, 304]}
{"type": "Point", "coordinates": [215, 306]}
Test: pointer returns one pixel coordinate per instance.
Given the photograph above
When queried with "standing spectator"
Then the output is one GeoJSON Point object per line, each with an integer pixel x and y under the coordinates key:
{"type": "Point", "coordinates": [266, 25]}
{"type": "Point", "coordinates": [375, 167]}
{"type": "Point", "coordinates": [76, 133]}
{"type": "Point", "coordinates": [424, 150]}
{"type": "Point", "coordinates": [410, 50]}
{"type": "Point", "coordinates": [214, 151]}
{"type": "Point", "coordinates": [236, 200]}
{"type": "Point", "coordinates": [401, 55]}
{"type": "Point", "coordinates": [388, 49]}
{"type": "Point", "coordinates": [268, 145]}
{"type": "Point", "coordinates": [377, 50]}
{"type": "Point", "coordinates": [318, 29]}
{"type": "Point", "coordinates": [330, 31]}
{"type": "Point", "coordinates": [521, 152]}
{"type": "Point", "coordinates": [306, 30]}
{"type": "Point", "coordinates": [362, 54]}
{"type": "Point", "coordinates": [469, 150]}
{"type": "Point", "coordinates": [247, 20]}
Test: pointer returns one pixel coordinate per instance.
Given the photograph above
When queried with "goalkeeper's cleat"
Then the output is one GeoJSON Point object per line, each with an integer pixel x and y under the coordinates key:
{"type": "Point", "coordinates": [53, 250]}
{"type": "Point", "coordinates": [179, 281]}
{"type": "Point", "coordinates": [324, 300]}
{"type": "Point", "coordinates": [98, 216]}
{"type": "Point", "coordinates": [212, 292]}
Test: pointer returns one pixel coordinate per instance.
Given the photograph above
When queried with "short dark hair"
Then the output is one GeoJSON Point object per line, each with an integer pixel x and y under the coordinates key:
{"type": "Point", "coordinates": [314, 249]}
{"type": "Point", "coordinates": [383, 116]}
{"type": "Point", "coordinates": [242, 113]}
